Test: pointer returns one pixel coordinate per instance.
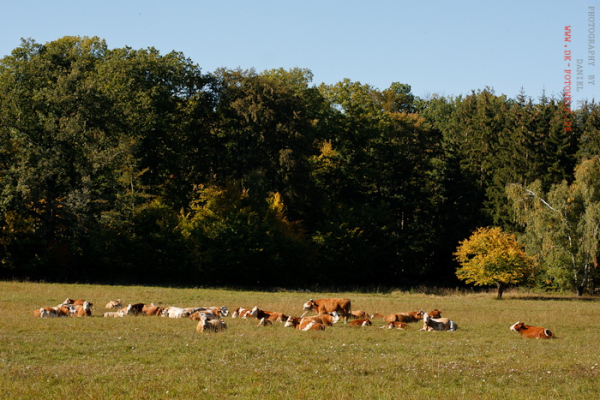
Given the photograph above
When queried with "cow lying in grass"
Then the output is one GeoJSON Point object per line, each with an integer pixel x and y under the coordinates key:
{"type": "Point", "coordinates": [210, 325]}
{"type": "Point", "coordinates": [440, 324]}
{"type": "Point", "coordinates": [411, 316]}
{"type": "Point", "coordinates": [534, 332]}
{"type": "Point", "coordinates": [361, 322]}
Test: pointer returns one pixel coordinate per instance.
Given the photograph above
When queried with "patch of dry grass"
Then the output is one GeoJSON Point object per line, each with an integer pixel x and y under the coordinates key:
{"type": "Point", "coordinates": [155, 358]}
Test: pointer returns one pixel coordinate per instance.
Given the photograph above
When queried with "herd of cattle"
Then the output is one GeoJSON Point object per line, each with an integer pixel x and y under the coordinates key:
{"type": "Point", "coordinates": [329, 311]}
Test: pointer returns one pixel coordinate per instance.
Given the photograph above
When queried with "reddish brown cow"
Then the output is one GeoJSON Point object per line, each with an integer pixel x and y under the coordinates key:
{"type": "Point", "coordinates": [358, 314]}
{"type": "Point", "coordinates": [150, 309]}
{"type": "Point", "coordinates": [536, 332]}
{"type": "Point", "coordinates": [305, 324]}
{"type": "Point", "coordinates": [323, 306]}
{"type": "Point", "coordinates": [83, 310]}
{"type": "Point", "coordinates": [412, 316]}
{"type": "Point", "coordinates": [361, 322]}
{"type": "Point", "coordinates": [78, 302]}
{"type": "Point", "coordinates": [435, 313]}
{"type": "Point", "coordinates": [45, 312]}
{"type": "Point", "coordinates": [396, 325]}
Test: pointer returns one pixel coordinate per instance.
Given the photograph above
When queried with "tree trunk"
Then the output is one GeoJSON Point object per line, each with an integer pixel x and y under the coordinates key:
{"type": "Point", "coordinates": [501, 288]}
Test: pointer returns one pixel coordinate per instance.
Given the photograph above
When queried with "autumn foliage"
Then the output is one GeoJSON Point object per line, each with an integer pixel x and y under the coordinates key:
{"type": "Point", "coordinates": [493, 257]}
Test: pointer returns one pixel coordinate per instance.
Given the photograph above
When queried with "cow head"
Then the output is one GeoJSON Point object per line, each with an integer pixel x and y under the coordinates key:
{"type": "Point", "coordinates": [254, 311]}
{"type": "Point", "coordinates": [517, 327]}
{"type": "Point", "coordinates": [435, 313]}
{"type": "Point", "coordinates": [289, 322]}
{"type": "Point", "coordinates": [224, 311]}
{"type": "Point", "coordinates": [309, 305]}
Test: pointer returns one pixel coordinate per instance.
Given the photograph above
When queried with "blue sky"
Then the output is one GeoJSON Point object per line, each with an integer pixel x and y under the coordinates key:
{"type": "Point", "coordinates": [437, 47]}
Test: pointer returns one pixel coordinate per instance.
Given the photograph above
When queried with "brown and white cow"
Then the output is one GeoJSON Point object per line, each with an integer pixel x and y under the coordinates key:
{"type": "Point", "coordinates": [114, 304]}
{"type": "Point", "coordinates": [52, 312]}
{"type": "Point", "coordinates": [210, 325]}
{"type": "Point", "coordinates": [535, 332]}
{"type": "Point", "coordinates": [409, 316]}
{"type": "Point", "coordinates": [361, 322]}
{"type": "Point", "coordinates": [322, 306]}
{"type": "Point", "coordinates": [241, 312]}
{"type": "Point", "coordinates": [358, 314]}
{"type": "Point", "coordinates": [151, 309]}
{"type": "Point", "coordinates": [439, 324]}
{"type": "Point", "coordinates": [396, 325]}
{"type": "Point", "coordinates": [83, 310]}
{"type": "Point", "coordinates": [78, 302]}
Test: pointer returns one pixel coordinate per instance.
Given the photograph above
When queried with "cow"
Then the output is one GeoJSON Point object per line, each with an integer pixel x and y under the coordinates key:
{"type": "Point", "coordinates": [395, 325]}
{"type": "Point", "coordinates": [83, 310]}
{"type": "Point", "coordinates": [358, 314]}
{"type": "Point", "coordinates": [361, 322]}
{"type": "Point", "coordinates": [114, 304]}
{"type": "Point", "coordinates": [241, 313]}
{"type": "Point", "coordinates": [211, 325]}
{"type": "Point", "coordinates": [312, 326]}
{"type": "Point", "coordinates": [411, 316]}
{"type": "Point", "coordinates": [151, 309]}
{"type": "Point", "coordinates": [175, 312]}
{"type": "Point", "coordinates": [534, 332]}
{"type": "Point", "coordinates": [323, 306]}
{"type": "Point", "coordinates": [78, 302]}
{"type": "Point", "coordinates": [435, 313]}
{"type": "Point", "coordinates": [198, 315]}
{"type": "Point", "coordinates": [377, 316]}
{"type": "Point", "coordinates": [440, 324]}
{"type": "Point", "coordinates": [327, 319]}
{"type": "Point", "coordinates": [52, 312]}
{"type": "Point", "coordinates": [121, 313]}
{"type": "Point", "coordinates": [265, 322]}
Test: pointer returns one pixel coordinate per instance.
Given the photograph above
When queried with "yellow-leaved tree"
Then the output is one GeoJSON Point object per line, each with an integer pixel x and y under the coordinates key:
{"type": "Point", "coordinates": [491, 257]}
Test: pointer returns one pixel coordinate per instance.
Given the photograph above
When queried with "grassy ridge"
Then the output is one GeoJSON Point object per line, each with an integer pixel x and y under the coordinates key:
{"type": "Point", "coordinates": [156, 358]}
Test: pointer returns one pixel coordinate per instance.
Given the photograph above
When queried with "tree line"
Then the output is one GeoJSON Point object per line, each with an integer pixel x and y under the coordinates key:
{"type": "Point", "coordinates": [128, 166]}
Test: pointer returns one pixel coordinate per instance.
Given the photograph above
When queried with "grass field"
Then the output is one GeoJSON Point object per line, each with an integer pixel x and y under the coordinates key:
{"type": "Point", "coordinates": [161, 358]}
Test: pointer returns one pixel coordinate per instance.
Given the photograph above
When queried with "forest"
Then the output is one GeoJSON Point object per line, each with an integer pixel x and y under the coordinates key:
{"type": "Point", "coordinates": [129, 166]}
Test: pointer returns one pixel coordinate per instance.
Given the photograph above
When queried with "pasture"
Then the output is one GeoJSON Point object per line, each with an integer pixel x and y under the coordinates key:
{"type": "Point", "coordinates": [162, 358]}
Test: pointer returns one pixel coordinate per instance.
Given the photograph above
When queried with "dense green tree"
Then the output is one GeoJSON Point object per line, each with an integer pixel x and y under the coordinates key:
{"type": "Point", "coordinates": [562, 225]}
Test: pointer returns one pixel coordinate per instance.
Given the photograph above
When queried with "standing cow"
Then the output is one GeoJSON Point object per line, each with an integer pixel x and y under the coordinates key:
{"type": "Point", "coordinates": [323, 306]}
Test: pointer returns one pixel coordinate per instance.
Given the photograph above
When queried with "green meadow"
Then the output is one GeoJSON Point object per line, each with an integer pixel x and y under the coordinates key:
{"type": "Point", "coordinates": [161, 358]}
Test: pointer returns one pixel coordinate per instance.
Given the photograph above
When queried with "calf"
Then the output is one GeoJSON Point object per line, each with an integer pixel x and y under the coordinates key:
{"type": "Point", "coordinates": [361, 322]}
{"type": "Point", "coordinates": [322, 306]}
{"type": "Point", "coordinates": [536, 332]}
